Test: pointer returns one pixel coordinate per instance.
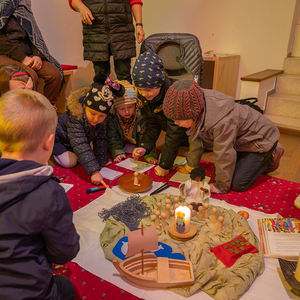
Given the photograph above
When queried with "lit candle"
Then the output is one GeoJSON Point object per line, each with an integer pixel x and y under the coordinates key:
{"type": "Point", "coordinates": [182, 219]}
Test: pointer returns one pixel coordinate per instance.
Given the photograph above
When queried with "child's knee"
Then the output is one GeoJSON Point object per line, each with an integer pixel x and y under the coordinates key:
{"type": "Point", "coordinates": [67, 159]}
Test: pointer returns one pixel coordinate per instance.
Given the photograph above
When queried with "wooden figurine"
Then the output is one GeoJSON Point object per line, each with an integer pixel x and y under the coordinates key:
{"type": "Point", "coordinates": [185, 204]}
{"type": "Point", "coordinates": [163, 220]}
{"type": "Point", "coordinates": [206, 212]}
{"type": "Point", "coordinates": [157, 220]}
{"type": "Point", "coordinates": [220, 224]}
{"type": "Point", "coordinates": [176, 200]}
{"type": "Point", "coordinates": [196, 189]}
{"type": "Point", "coordinates": [168, 200]}
{"type": "Point", "coordinates": [152, 218]}
{"type": "Point", "coordinates": [213, 218]}
{"type": "Point", "coordinates": [173, 210]}
{"type": "Point", "coordinates": [193, 212]}
{"type": "Point", "coordinates": [159, 207]}
{"type": "Point", "coordinates": [167, 211]}
{"type": "Point", "coordinates": [136, 180]}
{"type": "Point", "coordinates": [200, 214]}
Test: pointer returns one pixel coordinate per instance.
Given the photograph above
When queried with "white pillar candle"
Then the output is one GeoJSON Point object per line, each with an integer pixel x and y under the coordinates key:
{"type": "Point", "coordinates": [182, 219]}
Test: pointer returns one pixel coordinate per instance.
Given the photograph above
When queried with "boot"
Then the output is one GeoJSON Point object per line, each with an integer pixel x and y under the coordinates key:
{"type": "Point", "coordinates": [277, 153]}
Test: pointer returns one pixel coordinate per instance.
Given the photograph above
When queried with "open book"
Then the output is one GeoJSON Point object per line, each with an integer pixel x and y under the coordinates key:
{"type": "Point", "coordinates": [280, 237]}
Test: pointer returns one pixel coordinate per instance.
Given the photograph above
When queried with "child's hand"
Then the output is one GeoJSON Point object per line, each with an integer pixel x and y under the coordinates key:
{"type": "Point", "coordinates": [119, 157]}
{"type": "Point", "coordinates": [138, 152]}
{"type": "Point", "coordinates": [181, 169]}
{"type": "Point", "coordinates": [27, 61]}
{"type": "Point", "coordinates": [109, 163]}
{"type": "Point", "coordinates": [152, 160]}
{"type": "Point", "coordinates": [86, 15]}
{"type": "Point", "coordinates": [160, 171]}
{"type": "Point", "coordinates": [213, 189]}
{"type": "Point", "coordinates": [97, 179]}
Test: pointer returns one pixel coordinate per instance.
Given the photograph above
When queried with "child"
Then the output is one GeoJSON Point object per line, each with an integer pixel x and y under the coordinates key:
{"type": "Point", "coordinates": [126, 125]}
{"type": "Point", "coordinates": [108, 30]}
{"type": "Point", "coordinates": [35, 213]}
{"type": "Point", "coordinates": [84, 122]}
{"type": "Point", "coordinates": [152, 85]}
{"type": "Point", "coordinates": [13, 77]}
{"type": "Point", "coordinates": [243, 140]}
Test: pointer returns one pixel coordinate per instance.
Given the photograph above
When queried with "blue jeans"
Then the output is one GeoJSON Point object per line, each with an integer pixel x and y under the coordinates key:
{"type": "Point", "coordinates": [249, 166]}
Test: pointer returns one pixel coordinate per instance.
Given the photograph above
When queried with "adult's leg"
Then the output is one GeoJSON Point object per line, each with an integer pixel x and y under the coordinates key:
{"type": "Point", "coordinates": [123, 68]}
{"type": "Point", "coordinates": [64, 287]}
{"type": "Point", "coordinates": [249, 166]}
{"type": "Point", "coordinates": [6, 60]}
{"type": "Point", "coordinates": [52, 78]}
{"type": "Point", "coordinates": [102, 67]}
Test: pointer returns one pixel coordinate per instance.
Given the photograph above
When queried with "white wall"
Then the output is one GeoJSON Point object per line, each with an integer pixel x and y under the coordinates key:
{"type": "Point", "coordinates": [257, 30]}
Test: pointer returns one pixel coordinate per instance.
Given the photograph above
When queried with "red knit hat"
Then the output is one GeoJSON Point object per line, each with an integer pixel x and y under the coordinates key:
{"type": "Point", "coordinates": [184, 100]}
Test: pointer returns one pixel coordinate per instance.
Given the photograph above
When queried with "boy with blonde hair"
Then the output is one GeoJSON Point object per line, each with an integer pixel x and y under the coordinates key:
{"type": "Point", "coordinates": [35, 214]}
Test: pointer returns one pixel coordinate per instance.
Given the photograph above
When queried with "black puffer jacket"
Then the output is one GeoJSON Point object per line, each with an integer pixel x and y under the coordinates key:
{"type": "Point", "coordinates": [156, 121]}
{"type": "Point", "coordinates": [113, 26]}
{"type": "Point", "coordinates": [75, 133]}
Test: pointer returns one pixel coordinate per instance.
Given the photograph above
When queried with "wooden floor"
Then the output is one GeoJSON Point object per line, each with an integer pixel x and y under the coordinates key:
{"type": "Point", "coordinates": [289, 168]}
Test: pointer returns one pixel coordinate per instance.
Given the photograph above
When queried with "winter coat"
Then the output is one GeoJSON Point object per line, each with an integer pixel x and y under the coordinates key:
{"type": "Point", "coordinates": [156, 121]}
{"type": "Point", "coordinates": [115, 136]}
{"type": "Point", "coordinates": [228, 128]}
{"type": "Point", "coordinates": [36, 230]}
{"type": "Point", "coordinates": [112, 29]}
{"type": "Point", "coordinates": [75, 133]}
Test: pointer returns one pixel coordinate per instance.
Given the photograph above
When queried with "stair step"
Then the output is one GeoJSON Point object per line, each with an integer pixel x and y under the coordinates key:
{"type": "Point", "coordinates": [285, 124]}
{"type": "Point", "coordinates": [284, 105]}
{"type": "Point", "coordinates": [291, 65]}
{"type": "Point", "coordinates": [288, 84]}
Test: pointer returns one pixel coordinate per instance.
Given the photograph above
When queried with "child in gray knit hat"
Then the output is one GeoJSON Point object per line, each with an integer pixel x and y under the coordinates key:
{"type": "Point", "coordinates": [244, 141]}
{"type": "Point", "coordinates": [152, 85]}
{"type": "Point", "coordinates": [84, 122]}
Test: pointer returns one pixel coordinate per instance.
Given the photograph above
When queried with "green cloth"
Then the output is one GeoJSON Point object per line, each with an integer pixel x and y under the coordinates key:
{"type": "Point", "coordinates": [211, 275]}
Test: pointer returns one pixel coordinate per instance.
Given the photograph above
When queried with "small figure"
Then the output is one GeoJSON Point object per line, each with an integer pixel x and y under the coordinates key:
{"type": "Point", "coordinates": [163, 220]}
{"type": "Point", "coordinates": [136, 180]}
{"type": "Point", "coordinates": [206, 212]}
{"type": "Point", "coordinates": [157, 220]}
{"type": "Point", "coordinates": [176, 200]}
{"type": "Point", "coordinates": [220, 224]}
{"type": "Point", "coordinates": [185, 204]}
{"type": "Point", "coordinates": [152, 218]}
{"type": "Point", "coordinates": [174, 208]}
{"type": "Point", "coordinates": [167, 211]}
{"type": "Point", "coordinates": [159, 207]}
{"type": "Point", "coordinates": [200, 214]}
{"type": "Point", "coordinates": [168, 200]}
{"type": "Point", "coordinates": [213, 218]}
{"type": "Point", "coordinates": [196, 189]}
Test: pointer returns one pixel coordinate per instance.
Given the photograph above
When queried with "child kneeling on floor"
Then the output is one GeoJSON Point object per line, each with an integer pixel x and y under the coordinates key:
{"type": "Point", "coordinates": [84, 122]}
{"type": "Point", "coordinates": [127, 125]}
{"type": "Point", "coordinates": [35, 213]}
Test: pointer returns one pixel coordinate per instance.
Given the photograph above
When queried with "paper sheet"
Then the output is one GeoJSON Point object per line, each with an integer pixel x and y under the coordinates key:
{"type": "Point", "coordinates": [66, 186]}
{"type": "Point", "coordinates": [135, 165]}
{"type": "Point", "coordinates": [110, 174]}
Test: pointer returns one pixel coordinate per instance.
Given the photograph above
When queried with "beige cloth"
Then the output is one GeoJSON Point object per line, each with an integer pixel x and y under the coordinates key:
{"type": "Point", "coordinates": [211, 275]}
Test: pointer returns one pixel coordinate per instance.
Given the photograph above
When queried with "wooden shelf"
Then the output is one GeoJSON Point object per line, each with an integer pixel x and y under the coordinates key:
{"type": "Point", "coordinates": [262, 75]}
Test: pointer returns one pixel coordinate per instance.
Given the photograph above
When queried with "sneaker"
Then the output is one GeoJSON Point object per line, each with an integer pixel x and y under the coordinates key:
{"type": "Point", "coordinates": [277, 153]}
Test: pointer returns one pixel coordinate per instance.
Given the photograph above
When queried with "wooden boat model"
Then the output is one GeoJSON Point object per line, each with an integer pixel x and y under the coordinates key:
{"type": "Point", "coordinates": [148, 270]}
{"type": "Point", "coordinates": [159, 272]}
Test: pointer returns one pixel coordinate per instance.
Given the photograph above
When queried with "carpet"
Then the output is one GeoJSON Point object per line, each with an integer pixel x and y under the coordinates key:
{"type": "Point", "coordinates": [269, 195]}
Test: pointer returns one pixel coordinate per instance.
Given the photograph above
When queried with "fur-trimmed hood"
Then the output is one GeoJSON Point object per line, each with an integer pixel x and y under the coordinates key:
{"type": "Point", "coordinates": [74, 102]}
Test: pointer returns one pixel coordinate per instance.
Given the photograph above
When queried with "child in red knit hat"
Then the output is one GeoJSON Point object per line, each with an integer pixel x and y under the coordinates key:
{"type": "Point", "coordinates": [245, 142]}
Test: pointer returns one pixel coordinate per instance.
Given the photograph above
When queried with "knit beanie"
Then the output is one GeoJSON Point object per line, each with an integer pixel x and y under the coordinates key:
{"type": "Point", "coordinates": [148, 71]}
{"type": "Point", "coordinates": [101, 96]}
{"type": "Point", "coordinates": [129, 96]}
{"type": "Point", "coordinates": [184, 100]}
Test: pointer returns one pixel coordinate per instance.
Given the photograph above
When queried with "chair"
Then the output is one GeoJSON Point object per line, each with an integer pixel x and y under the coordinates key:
{"type": "Point", "coordinates": [180, 52]}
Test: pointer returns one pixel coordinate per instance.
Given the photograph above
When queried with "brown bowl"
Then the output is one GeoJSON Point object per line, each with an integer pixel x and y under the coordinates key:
{"type": "Point", "coordinates": [126, 183]}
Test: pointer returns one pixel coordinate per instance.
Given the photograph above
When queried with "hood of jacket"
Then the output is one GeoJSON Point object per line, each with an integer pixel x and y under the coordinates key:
{"type": "Point", "coordinates": [74, 102]}
{"type": "Point", "coordinates": [29, 175]}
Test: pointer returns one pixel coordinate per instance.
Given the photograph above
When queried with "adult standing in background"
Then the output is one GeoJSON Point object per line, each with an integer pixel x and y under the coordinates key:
{"type": "Point", "coordinates": [108, 30]}
{"type": "Point", "coordinates": [21, 43]}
